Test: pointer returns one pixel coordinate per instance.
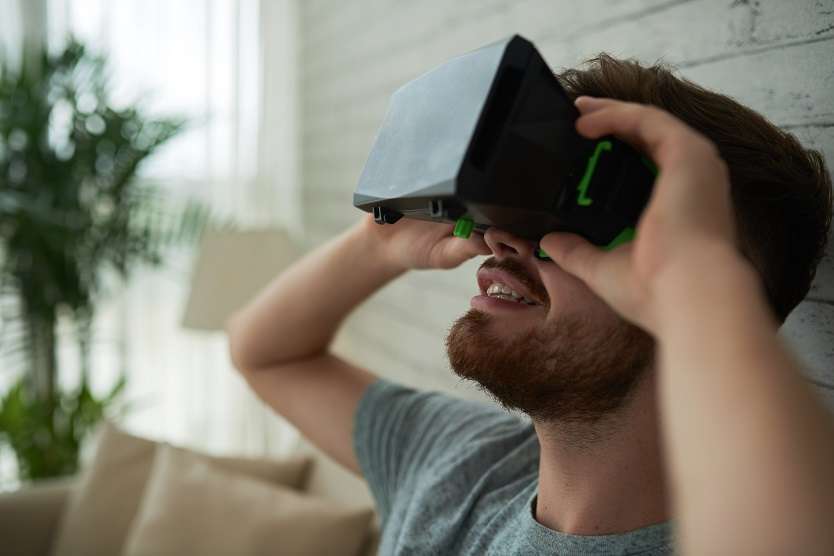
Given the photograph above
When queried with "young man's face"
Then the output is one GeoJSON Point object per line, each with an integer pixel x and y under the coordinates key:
{"type": "Point", "coordinates": [540, 341]}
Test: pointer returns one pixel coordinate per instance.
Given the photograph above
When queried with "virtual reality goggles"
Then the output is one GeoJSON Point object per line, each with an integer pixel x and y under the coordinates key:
{"type": "Point", "coordinates": [488, 139]}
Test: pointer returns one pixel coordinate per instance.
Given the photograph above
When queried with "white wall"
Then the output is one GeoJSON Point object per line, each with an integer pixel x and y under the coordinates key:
{"type": "Point", "coordinates": [772, 55]}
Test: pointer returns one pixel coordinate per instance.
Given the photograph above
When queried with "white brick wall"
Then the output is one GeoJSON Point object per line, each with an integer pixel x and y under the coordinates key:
{"type": "Point", "coordinates": [775, 56]}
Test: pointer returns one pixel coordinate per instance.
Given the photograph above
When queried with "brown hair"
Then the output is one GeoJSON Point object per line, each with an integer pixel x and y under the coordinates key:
{"type": "Point", "coordinates": [781, 191]}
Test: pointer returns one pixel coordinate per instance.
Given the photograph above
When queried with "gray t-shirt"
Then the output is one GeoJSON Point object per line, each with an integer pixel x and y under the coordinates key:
{"type": "Point", "coordinates": [455, 477]}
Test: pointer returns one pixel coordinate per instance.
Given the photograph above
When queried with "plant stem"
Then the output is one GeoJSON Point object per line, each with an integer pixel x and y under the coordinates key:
{"type": "Point", "coordinates": [42, 355]}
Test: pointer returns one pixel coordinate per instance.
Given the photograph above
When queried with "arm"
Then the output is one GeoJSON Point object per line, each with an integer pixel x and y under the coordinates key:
{"type": "Point", "coordinates": [280, 341]}
{"type": "Point", "coordinates": [298, 314]}
{"type": "Point", "coordinates": [749, 447]}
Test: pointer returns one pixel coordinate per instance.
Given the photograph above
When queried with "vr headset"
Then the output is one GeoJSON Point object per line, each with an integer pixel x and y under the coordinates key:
{"type": "Point", "coordinates": [488, 139]}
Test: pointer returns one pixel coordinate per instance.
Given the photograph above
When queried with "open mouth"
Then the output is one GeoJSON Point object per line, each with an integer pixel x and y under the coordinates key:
{"type": "Point", "coordinates": [498, 290]}
{"type": "Point", "coordinates": [496, 283]}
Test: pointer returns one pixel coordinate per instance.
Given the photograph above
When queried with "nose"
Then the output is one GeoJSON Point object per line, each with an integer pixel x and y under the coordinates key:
{"type": "Point", "coordinates": [504, 244]}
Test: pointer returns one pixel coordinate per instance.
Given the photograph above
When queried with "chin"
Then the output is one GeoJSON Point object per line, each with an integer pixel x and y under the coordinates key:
{"type": "Point", "coordinates": [565, 365]}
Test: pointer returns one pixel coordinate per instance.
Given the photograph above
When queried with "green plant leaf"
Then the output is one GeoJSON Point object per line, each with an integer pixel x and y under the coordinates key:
{"type": "Point", "coordinates": [71, 211]}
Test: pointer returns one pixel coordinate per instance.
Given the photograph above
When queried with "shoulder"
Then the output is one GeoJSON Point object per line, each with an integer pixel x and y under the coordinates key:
{"type": "Point", "coordinates": [412, 407]}
{"type": "Point", "coordinates": [436, 426]}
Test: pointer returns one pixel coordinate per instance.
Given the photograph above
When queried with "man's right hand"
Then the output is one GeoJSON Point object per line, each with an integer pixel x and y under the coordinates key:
{"type": "Point", "coordinates": [417, 244]}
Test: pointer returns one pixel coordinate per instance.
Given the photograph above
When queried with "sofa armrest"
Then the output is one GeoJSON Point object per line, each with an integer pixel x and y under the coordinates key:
{"type": "Point", "coordinates": [29, 517]}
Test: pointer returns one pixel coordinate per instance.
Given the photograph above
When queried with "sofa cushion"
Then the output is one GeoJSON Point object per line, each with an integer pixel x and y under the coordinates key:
{"type": "Point", "coordinates": [30, 516]}
{"type": "Point", "coordinates": [98, 515]}
{"type": "Point", "coordinates": [191, 507]}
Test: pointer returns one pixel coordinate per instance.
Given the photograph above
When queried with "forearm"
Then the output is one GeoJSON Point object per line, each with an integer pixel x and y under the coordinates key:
{"type": "Point", "coordinates": [747, 440]}
{"type": "Point", "coordinates": [298, 314]}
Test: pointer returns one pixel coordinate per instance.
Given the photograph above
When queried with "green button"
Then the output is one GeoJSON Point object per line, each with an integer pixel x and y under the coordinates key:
{"type": "Point", "coordinates": [542, 255]}
{"type": "Point", "coordinates": [582, 199]}
{"type": "Point", "coordinates": [464, 227]}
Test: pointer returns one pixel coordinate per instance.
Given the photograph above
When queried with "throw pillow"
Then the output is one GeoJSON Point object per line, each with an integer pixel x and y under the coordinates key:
{"type": "Point", "coordinates": [99, 513]}
{"type": "Point", "coordinates": [191, 507]}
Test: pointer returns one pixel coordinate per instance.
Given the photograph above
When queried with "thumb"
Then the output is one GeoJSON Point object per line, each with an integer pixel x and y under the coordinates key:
{"type": "Point", "coordinates": [574, 254]}
{"type": "Point", "coordinates": [453, 251]}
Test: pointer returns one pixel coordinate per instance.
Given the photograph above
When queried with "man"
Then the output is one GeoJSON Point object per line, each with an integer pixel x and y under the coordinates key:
{"type": "Point", "coordinates": [653, 377]}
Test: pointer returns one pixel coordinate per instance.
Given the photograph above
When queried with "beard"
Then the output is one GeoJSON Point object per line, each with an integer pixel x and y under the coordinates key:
{"type": "Point", "coordinates": [568, 370]}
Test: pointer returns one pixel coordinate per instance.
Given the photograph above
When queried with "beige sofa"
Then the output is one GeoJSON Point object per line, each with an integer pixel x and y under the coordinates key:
{"type": "Point", "coordinates": [31, 518]}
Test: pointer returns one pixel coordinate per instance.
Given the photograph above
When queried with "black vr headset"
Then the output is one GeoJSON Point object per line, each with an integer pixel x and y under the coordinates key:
{"type": "Point", "coordinates": [488, 139]}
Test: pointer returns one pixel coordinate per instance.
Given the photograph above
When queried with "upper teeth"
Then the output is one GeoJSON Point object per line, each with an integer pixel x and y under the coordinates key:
{"type": "Point", "coordinates": [502, 291]}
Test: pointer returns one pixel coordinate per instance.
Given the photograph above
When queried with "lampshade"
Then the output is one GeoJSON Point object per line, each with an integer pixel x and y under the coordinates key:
{"type": "Point", "coordinates": [231, 268]}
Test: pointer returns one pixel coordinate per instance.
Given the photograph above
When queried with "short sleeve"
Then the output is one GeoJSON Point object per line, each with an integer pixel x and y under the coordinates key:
{"type": "Point", "coordinates": [400, 433]}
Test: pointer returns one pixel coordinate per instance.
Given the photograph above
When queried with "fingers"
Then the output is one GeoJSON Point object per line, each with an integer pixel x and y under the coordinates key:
{"type": "Point", "coordinates": [587, 104]}
{"type": "Point", "coordinates": [606, 273]}
{"type": "Point", "coordinates": [452, 251]}
{"type": "Point", "coordinates": [647, 128]}
{"type": "Point", "coordinates": [574, 254]}
{"type": "Point", "coordinates": [475, 245]}
{"type": "Point", "coordinates": [683, 154]}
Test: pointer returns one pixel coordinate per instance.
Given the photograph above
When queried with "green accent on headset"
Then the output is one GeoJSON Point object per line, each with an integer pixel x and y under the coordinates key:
{"type": "Point", "coordinates": [463, 227]}
{"type": "Point", "coordinates": [540, 254]}
{"type": "Point", "coordinates": [623, 237]}
{"type": "Point", "coordinates": [650, 165]}
{"type": "Point", "coordinates": [582, 199]}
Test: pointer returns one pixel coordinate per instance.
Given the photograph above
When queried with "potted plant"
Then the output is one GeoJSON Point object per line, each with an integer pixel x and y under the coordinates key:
{"type": "Point", "coordinates": [70, 213]}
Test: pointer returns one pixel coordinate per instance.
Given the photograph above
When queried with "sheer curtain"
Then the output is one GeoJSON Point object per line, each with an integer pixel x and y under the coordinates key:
{"type": "Point", "coordinates": [229, 66]}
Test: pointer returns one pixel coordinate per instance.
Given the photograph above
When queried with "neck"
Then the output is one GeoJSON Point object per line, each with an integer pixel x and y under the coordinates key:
{"type": "Point", "coordinates": [606, 477]}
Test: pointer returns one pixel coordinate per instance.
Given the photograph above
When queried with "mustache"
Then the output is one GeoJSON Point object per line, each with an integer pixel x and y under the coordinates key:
{"type": "Point", "coordinates": [519, 272]}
